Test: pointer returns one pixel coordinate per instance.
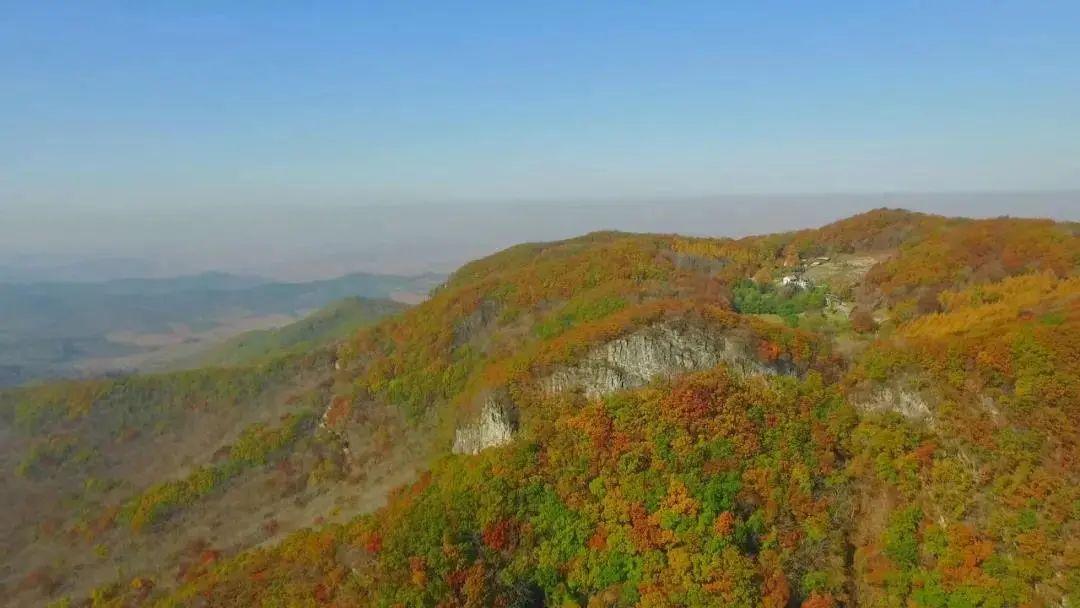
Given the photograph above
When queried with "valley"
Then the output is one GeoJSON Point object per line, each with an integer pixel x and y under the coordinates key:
{"type": "Point", "coordinates": [121, 326]}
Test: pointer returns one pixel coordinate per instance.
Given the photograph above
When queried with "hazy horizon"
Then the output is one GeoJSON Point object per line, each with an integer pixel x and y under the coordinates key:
{"type": "Point", "coordinates": [304, 141]}
{"type": "Point", "coordinates": [305, 242]}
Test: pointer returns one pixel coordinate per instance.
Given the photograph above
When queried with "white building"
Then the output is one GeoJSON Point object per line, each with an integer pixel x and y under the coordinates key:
{"type": "Point", "coordinates": [796, 281]}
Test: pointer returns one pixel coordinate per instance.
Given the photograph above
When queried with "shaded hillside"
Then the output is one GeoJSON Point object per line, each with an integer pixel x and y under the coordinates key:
{"type": "Point", "coordinates": [880, 412]}
{"type": "Point", "coordinates": [333, 322]}
{"type": "Point", "coordinates": [161, 472]}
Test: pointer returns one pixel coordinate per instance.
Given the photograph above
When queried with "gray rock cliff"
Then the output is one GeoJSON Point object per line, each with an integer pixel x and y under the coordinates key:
{"type": "Point", "coordinates": [658, 351]}
{"type": "Point", "coordinates": [495, 426]}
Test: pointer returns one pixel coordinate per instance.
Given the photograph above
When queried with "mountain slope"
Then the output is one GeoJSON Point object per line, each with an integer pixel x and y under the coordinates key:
{"type": "Point", "coordinates": [332, 322]}
{"type": "Point", "coordinates": [878, 412]}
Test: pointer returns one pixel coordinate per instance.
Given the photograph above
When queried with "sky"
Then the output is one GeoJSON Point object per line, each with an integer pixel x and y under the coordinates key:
{"type": "Point", "coordinates": [115, 111]}
{"type": "Point", "coordinates": [174, 102]}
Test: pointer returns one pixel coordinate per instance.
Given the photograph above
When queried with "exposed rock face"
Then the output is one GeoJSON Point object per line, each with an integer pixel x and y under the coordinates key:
{"type": "Point", "coordinates": [334, 421]}
{"type": "Point", "coordinates": [470, 325]}
{"type": "Point", "coordinates": [658, 351]}
{"type": "Point", "coordinates": [495, 426]}
{"type": "Point", "coordinates": [906, 402]}
{"type": "Point", "coordinates": [632, 361]}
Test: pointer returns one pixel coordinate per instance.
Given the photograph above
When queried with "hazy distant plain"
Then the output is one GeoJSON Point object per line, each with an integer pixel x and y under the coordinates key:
{"type": "Point", "coordinates": [298, 241]}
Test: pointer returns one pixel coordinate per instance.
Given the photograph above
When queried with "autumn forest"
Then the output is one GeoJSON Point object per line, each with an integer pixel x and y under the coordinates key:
{"type": "Point", "coordinates": [879, 412]}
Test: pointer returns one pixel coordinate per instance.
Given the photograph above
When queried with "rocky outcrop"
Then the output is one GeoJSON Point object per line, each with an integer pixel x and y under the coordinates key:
{"type": "Point", "coordinates": [473, 323]}
{"type": "Point", "coordinates": [495, 426]}
{"type": "Point", "coordinates": [334, 423]}
{"type": "Point", "coordinates": [907, 402]}
{"type": "Point", "coordinates": [658, 351]}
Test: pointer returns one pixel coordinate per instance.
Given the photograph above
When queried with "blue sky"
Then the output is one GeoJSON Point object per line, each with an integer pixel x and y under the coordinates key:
{"type": "Point", "coordinates": [159, 104]}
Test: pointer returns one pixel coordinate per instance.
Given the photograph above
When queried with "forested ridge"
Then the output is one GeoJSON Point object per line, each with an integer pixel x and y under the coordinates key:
{"type": "Point", "coordinates": [879, 412]}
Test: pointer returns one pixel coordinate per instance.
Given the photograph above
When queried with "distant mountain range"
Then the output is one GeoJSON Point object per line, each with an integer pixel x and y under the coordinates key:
{"type": "Point", "coordinates": [42, 268]}
{"type": "Point", "coordinates": [73, 328]}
